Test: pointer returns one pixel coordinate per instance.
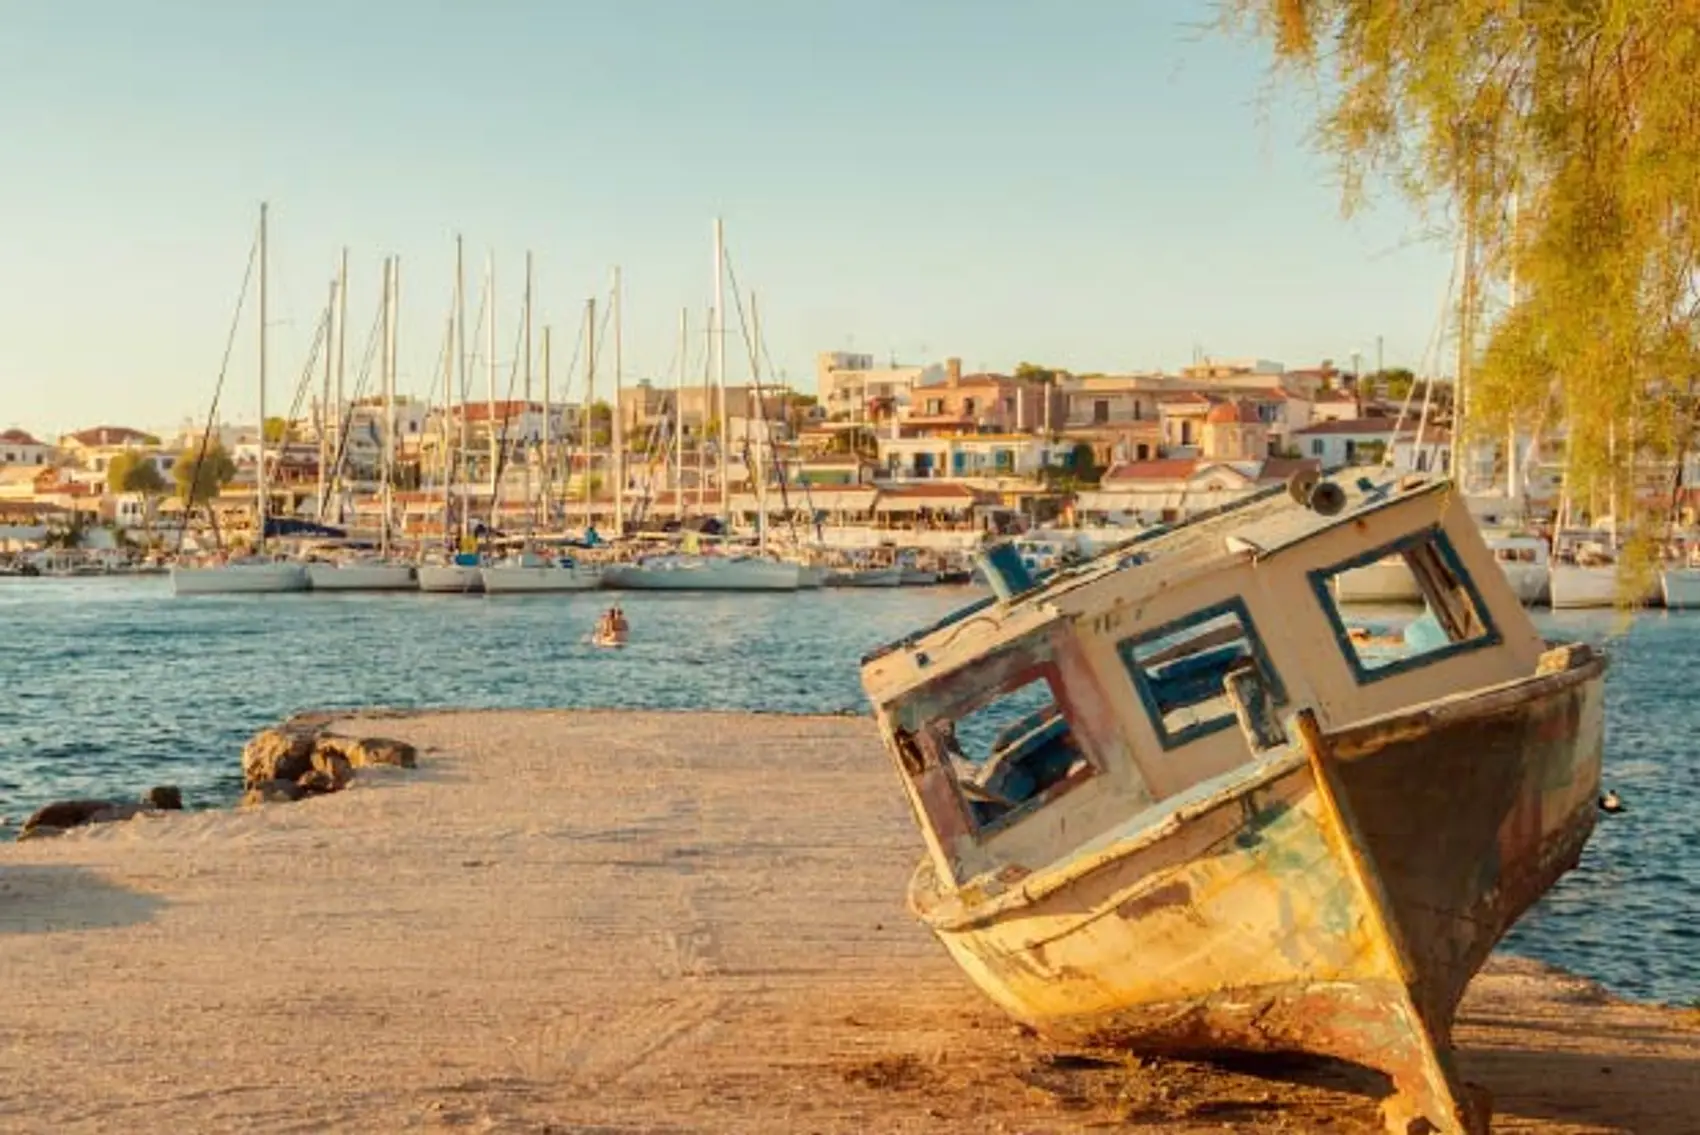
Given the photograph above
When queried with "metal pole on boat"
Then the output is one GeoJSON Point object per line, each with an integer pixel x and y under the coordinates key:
{"type": "Point", "coordinates": [548, 413]}
{"type": "Point", "coordinates": [260, 471]}
{"type": "Point", "coordinates": [460, 372]}
{"type": "Point", "coordinates": [702, 434]}
{"type": "Point", "coordinates": [388, 465]}
{"type": "Point", "coordinates": [530, 504]}
{"type": "Point", "coordinates": [589, 406]}
{"type": "Point", "coordinates": [325, 400]}
{"type": "Point", "coordinates": [617, 434]}
{"type": "Point", "coordinates": [341, 362]}
{"type": "Point", "coordinates": [760, 470]}
{"type": "Point", "coordinates": [720, 367]}
{"type": "Point", "coordinates": [679, 415]}
{"type": "Point", "coordinates": [490, 384]}
{"type": "Point", "coordinates": [448, 403]}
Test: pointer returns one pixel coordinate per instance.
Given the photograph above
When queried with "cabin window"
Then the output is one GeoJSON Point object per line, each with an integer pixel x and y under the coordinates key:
{"type": "Point", "coordinates": [1423, 568]}
{"type": "Point", "coordinates": [1012, 750]}
{"type": "Point", "coordinates": [1181, 670]}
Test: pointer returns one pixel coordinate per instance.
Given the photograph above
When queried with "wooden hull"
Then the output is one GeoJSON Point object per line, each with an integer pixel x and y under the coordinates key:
{"type": "Point", "coordinates": [1335, 899]}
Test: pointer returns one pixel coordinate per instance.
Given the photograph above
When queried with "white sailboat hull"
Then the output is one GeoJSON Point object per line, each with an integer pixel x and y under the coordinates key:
{"type": "Point", "coordinates": [1529, 581]}
{"type": "Point", "coordinates": [1573, 587]}
{"type": "Point", "coordinates": [705, 574]}
{"type": "Point", "coordinates": [453, 579]}
{"type": "Point", "coordinates": [919, 577]}
{"type": "Point", "coordinates": [239, 579]}
{"type": "Point", "coordinates": [361, 577]}
{"type": "Point", "coordinates": [508, 578]}
{"type": "Point", "coordinates": [810, 576]}
{"type": "Point", "coordinates": [867, 577]}
{"type": "Point", "coordinates": [1681, 588]}
{"type": "Point", "coordinates": [1385, 581]}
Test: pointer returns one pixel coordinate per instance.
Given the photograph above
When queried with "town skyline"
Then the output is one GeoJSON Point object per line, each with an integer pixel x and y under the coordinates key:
{"type": "Point", "coordinates": [1104, 193]}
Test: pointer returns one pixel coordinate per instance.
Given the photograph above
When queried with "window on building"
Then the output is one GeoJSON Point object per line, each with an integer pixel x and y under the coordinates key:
{"type": "Point", "coordinates": [968, 407]}
{"type": "Point", "coordinates": [935, 406]}
{"type": "Point", "coordinates": [1100, 411]}
{"type": "Point", "coordinates": [1316, 447]}
{"type": "Point", "coordinates": [1180, 670]}
{"type": "Point", "coordinates": [1351, 449]}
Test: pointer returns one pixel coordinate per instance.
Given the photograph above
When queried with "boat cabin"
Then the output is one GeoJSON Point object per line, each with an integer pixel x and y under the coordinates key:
{"type": "Point", "coordinates": [1072, 712]}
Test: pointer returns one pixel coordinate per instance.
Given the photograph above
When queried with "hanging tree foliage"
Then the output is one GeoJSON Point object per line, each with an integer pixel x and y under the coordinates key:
{"type": "Point", "coordinates": [1566, 135]}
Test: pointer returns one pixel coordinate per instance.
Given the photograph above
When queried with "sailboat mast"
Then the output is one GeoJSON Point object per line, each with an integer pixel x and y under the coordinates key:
{"type": "Point", "coordinates": [448, 405]}
{"type": "Point", "coordinates": [341, 362]}
{"type": "Point", "coordinates": [679, 414]}
{"type": "Point", "coordinates": [390, 282]}
{"type": "Point", "coordinates": [548, 415]}
{"type": "Point", "coordinates": [761, 435]}
{"type": "Point", "coordinates": [490, 386]}
{"type": "Point", "coordinates": [325, 400]}
{"type": "Point", "coordinates": [460, 369]}
{"type": "Point", "coordinates": [702, 433]}
{"type": "Point", "coordinates": [720, 368]}
{"type": "Point", "coordinates": [617, 433]}
{"type": "Point", "coordinates": [589, 407]}
{"type": "Point", "coordinates": [260, 472]}
{"type": "Point", "coordinates": [1466, 335]}
{"type": "Point", "coordinates": [530, 503]}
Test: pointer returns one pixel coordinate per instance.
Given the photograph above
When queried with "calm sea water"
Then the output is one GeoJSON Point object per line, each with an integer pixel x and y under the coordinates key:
{"type": "Point", "coordinates": [110, 685]}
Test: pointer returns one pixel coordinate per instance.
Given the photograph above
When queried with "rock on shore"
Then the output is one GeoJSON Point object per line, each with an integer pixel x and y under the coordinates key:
{"type": "Point", "coordinates": [303, 758]}
{"type": "Point", "coordinates": [62, 815]}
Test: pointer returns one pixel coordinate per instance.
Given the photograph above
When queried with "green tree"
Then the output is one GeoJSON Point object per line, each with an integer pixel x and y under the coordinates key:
{"type": "Point", "coordinates": [135, 472]}
{"type": "Point", "coordinates": [1559, 138]}
{"type": "Point", "coordinates": [277, 430]}
{"type": "Point", "coordinates": [200, 477]}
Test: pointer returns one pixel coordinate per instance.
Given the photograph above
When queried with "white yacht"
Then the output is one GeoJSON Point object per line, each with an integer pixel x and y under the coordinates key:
{"type": "Point", "coordinates": [528, 570]}
{"type": "Point", "coordinates": [704, 573]}
{"type": "Point", "coordinates": [1526, 562]}
{"type": "Point", "coordinates": [1387, 580]}
{"type": "Point", "coordinates": [243, 576]}
{"type": "Point", "coordinates": [361, 573]}
{"type": "Point", "coordinates": [461, 575]}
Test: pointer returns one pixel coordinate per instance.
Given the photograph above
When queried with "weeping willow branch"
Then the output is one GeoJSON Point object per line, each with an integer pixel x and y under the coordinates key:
{"type": "Point", "coordinates": [1566, 135]}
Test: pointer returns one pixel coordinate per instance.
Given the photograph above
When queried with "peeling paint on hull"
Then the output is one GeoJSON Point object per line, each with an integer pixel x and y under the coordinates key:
{"type": "Point", "coordinates": [1338, 908]}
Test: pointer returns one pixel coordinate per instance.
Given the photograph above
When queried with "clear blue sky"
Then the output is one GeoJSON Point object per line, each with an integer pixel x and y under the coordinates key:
{"type": "Point", "coordinates": [1090, 183]}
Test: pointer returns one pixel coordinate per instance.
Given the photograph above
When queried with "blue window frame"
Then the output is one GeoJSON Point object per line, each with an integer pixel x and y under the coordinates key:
{"type": "Point", "coordinates": [1178, 670]}
{"type": "Point", "coordinates": [1454, 608]}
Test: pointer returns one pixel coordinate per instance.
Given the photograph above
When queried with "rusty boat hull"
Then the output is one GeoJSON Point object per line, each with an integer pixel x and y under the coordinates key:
{"type": "Point", "coordinates": [1335, 898]}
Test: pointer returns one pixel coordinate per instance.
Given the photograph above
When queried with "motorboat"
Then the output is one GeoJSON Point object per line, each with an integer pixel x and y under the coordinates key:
{"type": "Point", "coordinates": [1172, 801]}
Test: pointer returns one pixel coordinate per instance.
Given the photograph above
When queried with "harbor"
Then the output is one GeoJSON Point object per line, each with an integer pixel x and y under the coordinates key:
{"type": "Point", "coordinates": [563, 570]}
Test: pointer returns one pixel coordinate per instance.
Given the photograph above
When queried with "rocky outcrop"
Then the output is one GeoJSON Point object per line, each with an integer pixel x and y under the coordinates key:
{"type": "Point", "coordinates": [302, 757]}
{"type": "Point", "coordinates": [63, 815]}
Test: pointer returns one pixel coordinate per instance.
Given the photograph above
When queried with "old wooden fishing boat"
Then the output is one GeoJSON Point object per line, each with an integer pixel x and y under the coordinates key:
{"type": "Point", "coordinates": [1172, 800]}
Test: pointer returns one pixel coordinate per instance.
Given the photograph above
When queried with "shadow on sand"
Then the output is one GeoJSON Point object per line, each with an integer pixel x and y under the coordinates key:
{"type": "Point", "coordinates": [38, 899]}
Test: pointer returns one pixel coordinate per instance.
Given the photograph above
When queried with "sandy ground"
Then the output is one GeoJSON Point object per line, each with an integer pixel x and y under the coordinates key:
{"type": "Point", "coordinates": [631, 923]}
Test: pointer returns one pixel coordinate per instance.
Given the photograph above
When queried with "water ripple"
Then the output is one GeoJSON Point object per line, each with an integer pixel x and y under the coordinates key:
{"type": "Point", "coordinates": [107, 686]}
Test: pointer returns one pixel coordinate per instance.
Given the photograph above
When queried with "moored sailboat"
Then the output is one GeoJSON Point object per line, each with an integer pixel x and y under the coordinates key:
{"type": "Point", "coordinates": [258, 572]}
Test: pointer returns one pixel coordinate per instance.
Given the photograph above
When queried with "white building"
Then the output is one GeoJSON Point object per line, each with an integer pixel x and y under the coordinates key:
{"type": "Point", "coordinates": [852, 386]}
{"type": "Point", "coordinates": [18, 447]}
